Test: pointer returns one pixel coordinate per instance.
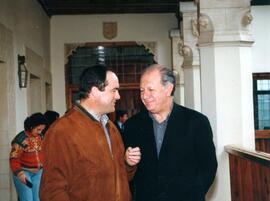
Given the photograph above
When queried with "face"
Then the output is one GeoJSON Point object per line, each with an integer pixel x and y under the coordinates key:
{"type": "Point", "coordinates": [154, 95]}
{"type": "Point", "coordinates": [110, 95]}
{"type": "Point", "coordinates": [38, 129]}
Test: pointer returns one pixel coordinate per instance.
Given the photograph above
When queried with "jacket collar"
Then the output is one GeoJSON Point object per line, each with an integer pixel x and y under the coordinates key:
{"type": "Point", "coordinates": [104, 118]}
{"type": "Point", "coordinates": [81, 109]}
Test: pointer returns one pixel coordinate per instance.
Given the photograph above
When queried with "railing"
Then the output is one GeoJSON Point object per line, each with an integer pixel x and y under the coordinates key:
{"type": "Point", "coordinates": [262, 139]}
{"type": "Point", "coordinates": [250, 174]}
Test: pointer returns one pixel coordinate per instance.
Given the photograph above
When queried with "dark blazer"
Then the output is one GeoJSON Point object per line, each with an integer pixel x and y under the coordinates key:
{"type": "Point", "coordinates": [118, 127]}
{"type": "Point", "coordinates": [187, 163]}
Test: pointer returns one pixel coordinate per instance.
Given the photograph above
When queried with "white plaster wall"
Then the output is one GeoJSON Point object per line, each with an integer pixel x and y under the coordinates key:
{"type": "Point", "coordinates": [22, 24]}
{"type": "Point", "coordinates": [30, 28]}
{"type": "Point", "coordinates": [261, 34]}
{"type": "Point", "coordinates": [89, 28]}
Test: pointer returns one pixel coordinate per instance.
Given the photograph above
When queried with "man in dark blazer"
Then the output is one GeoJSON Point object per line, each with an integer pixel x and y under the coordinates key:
{"type": "Point", "coordinates": [120, 118]}
{"type": "Point", "coordinates": [178, 161]}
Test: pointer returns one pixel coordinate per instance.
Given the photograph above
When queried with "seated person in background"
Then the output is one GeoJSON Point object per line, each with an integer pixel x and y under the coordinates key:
{"type": "Point", "coordinates": [26, 158]}
{"type": "Point", "coordinates": [50, 116]}
{"type": "Point", "coordinates": [120, 119]}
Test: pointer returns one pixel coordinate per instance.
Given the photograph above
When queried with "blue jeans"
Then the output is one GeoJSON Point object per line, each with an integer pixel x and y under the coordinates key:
{"type": "Point", "coordinates": [24, 192]}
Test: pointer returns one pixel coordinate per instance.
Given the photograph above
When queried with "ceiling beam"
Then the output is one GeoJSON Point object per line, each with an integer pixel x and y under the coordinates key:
{"type": "Point", "coordinates": [73, 7]}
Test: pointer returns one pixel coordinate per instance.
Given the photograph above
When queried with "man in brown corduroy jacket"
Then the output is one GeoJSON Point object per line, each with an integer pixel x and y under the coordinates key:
{"type": "Point", "coordinates": [85, 158]}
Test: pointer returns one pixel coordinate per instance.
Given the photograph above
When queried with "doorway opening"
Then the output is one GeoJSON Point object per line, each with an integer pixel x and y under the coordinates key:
{"type": "Point", "coordinates": [126, 59]}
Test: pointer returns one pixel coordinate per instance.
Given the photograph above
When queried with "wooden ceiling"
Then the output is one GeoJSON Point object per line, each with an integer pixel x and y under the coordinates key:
{"type": "Point", "coordinates": [75, 7]}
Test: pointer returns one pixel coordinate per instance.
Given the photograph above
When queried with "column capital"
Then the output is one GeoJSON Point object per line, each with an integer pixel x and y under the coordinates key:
{"type": "Point", "coordinates": [227, 24]}
{"type": "Point", "coordinates": [214, 4]}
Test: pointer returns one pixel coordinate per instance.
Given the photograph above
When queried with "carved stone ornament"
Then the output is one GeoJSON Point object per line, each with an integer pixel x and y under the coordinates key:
{"type": "Point", "coordinates": [195, 31]}
{"type": "Point", "coordinates": [109, 30]}
{"type": "Point", "coordinates": [184, 50]}
{"type": "Point", "coordinates": [180, 47]}
{"type": "Point", "coordinates": [203, 21]}
{"type": "Point", "coordinates": [247, 18]}
{"type": "Point", "coordinates": [187, 51]}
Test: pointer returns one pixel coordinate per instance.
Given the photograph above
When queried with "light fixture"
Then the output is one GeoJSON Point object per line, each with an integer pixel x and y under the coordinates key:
{"type": "Point", "coordinates": [22, 72]}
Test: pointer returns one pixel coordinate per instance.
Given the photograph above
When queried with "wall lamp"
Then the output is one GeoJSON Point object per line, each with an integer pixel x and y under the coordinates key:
{"type": "Point", "coordinates": [22, 72]}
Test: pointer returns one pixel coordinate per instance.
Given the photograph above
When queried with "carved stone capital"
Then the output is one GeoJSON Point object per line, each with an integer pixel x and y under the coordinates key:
{"type": "Point", "coordinates": [247, 18]}
{"type": "Point", "coordinates": [203, 23]}
{"type": "Point", "coordinates": [184, 50]}
{"type": "Point", "coordinates": [187, 51]}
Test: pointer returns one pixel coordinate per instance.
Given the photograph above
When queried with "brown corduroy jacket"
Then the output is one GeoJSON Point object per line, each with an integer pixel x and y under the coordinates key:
{"type": "Point", "coordinates": [78, 163]}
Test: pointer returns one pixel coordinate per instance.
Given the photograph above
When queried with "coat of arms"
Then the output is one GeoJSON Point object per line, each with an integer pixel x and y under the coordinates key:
{"type": "Point", "coordinates": [109, 30]}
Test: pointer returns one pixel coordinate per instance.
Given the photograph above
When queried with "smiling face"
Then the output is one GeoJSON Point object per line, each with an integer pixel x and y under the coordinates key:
{"type": "Point", "coordinates": [155, 96]}
{"type": "Point", "coordinates": [106, 99]}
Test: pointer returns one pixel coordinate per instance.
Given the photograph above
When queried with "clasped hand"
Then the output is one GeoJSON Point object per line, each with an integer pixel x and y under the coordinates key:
{"type": "Point", "coordinates": [133, 156]}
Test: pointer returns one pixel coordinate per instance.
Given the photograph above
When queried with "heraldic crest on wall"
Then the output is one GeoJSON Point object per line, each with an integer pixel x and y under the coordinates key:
{"type": "Point", "coordinates": [109, 30]}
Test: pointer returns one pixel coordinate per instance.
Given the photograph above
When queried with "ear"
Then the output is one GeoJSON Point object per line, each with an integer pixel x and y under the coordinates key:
{"type": "Point", "coordinates": [94, 91]}
{"type": "Point", "coordinates": [169, 88]}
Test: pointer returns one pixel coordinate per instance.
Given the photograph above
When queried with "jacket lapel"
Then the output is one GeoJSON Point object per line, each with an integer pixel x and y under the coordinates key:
{"type": "Point", "coordinates": [149, 143]}
{"type": "Point", "coordinates": [176, 127]}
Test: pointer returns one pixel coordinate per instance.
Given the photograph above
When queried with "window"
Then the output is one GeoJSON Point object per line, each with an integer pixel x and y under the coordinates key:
{"type": "Point", "coordinates": [261, 96]}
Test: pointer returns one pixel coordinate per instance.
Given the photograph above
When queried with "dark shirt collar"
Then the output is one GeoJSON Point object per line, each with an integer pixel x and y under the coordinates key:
{"type": "Point", "coordinates": [165, 121]}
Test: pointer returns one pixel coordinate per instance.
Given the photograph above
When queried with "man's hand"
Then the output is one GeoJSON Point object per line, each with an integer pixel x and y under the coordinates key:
{"type": "Point", "coordinates": [133, 156]}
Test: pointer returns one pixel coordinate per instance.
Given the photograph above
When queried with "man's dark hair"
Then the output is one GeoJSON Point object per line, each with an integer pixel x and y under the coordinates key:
{"type": "Point", "coordinates": [93, 76]}
{"type": "Point", "coordinates": [120, 113]}
{"type": "Point", "coordinates": [33, 121]}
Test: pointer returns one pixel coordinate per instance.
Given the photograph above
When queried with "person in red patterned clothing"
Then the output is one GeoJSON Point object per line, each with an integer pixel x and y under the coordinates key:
{"type": "Point", "coordinates": [26, 158]}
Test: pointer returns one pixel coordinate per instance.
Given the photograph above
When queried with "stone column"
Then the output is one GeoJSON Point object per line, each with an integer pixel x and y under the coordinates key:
{"type": "Point", "coordinates": [226, 81]}
{"type": "Point", "coordinates": [190, 52]}
{"type": "Point", "coordinates": [177, 61]}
